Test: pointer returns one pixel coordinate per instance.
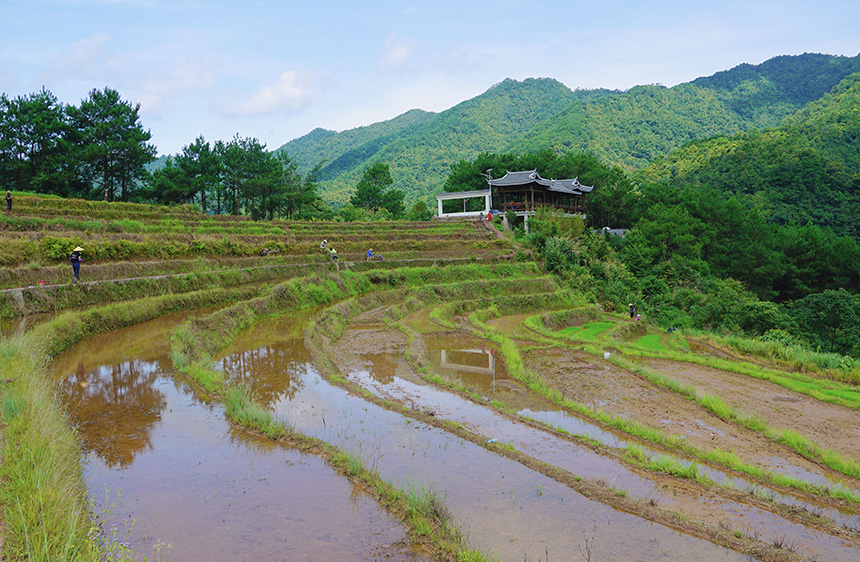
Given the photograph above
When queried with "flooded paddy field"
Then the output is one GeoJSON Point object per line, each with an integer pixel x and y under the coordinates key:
{"type": "Point", "coordinates": [172, 471]}
{"type": "Point", "coordinates": [506, 510]}
{"type": "Point", "coordinates": [372, 356]}
{"type": "Point", "coordinates": [189, 479]}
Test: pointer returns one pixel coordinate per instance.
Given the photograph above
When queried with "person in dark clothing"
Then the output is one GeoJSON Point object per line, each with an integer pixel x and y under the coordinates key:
{"type": "Point", "coordinates": [76, 260]}
{"type": "Point", "coordinates": [8, 200]}
{"type": "Point", "coordinates": [632, 310]}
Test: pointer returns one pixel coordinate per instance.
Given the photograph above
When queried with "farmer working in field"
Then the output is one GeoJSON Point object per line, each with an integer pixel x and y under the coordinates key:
{"type": "Point", "coordinates": [8, 200]}
{"type": "Point", "coordinates": [333, 253]}
{"type": "Point", "coordinates": [322, 245]}
{"type": "Point", "coordinates": [76, 260]}
{"type": "Point", "coordinates": [370, 254]}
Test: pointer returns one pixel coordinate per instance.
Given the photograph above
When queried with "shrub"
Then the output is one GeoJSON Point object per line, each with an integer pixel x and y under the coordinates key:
{"type": "Point", "coordinates": [54, 248]}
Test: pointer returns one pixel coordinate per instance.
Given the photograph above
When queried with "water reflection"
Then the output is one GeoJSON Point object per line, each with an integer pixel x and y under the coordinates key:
{"type": "Point", "coordinates": [269, 358]}
{"type": "Point", "coordinates": [269, 371]}
{"type": "Point", "coordinates": [190, 479]}
{"type": "Point", "coordinates": [117, 407]}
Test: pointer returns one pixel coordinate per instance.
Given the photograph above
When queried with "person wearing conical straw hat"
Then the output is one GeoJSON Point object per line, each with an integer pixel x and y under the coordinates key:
{"type": "Point", "coordinates": [76, 260]}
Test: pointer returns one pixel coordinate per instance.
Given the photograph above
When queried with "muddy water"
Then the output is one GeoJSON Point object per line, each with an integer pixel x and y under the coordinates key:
{"type": "Point", "coordinates": [384, 374]}
{"type": "Point", "coordinates": [508, 511]}
{"type": "Point", "coordinates": [189, 480]}
{"type": "Point", "coordinates": [20, 325]}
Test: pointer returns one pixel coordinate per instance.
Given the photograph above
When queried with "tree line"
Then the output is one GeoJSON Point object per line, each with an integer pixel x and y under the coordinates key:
{"type": "Point", "coordinates": [95, 150]}
{"type": "Point", "coordinates": [100, 150]}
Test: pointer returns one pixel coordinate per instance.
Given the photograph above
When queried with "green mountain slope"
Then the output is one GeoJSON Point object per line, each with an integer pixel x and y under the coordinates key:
{"type": "Point", "coordinates": [321, 145]}
{"type": "Point", "coordinates": [420, 155]}
{"type": "Point", "coordinates": [808, 170]}
{"type": "Point", "coordinates": [648, 121]}
{"type": "Point", "coordinates": [629, 128]}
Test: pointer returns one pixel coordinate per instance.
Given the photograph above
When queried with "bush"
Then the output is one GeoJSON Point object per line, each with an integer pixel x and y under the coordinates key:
{"type": "Point", "coordinates": [559, 255]}
{"type": "Point", "coordinates": [53, 248]}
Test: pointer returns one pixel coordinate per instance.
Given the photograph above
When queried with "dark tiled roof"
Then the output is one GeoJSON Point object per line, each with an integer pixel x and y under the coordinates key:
{"type": "Point", "coordinates": [512, 179]}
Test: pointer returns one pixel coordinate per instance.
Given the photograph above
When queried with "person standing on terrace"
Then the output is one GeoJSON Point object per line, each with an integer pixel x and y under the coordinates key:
{"type": "Point", "coordinates": [8, 200]}
{"type": "Point", "coordinates": [76, 260]}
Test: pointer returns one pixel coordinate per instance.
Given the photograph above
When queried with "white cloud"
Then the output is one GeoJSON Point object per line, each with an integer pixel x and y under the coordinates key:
{"type": "Point", "coordinates": [157, 92]}
{"type": "Point", "coordinates": [290, 92]}
{"type": "Point", "coordinates": [395, 54]}
{"type": "Point", "coordinates": [82, 60]}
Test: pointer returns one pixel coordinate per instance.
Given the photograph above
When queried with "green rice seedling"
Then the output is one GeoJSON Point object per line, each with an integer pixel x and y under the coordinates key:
{"type": "Point", "coordinates": [210, 380]}
{"type": "Point", "coordinates": [424, 503]}
{"type": "Point", "coordinates": [651, 342]}
{"type": "Point", "coordinates": [245, 412]}
{"type": "Point", "coordinates": [588, 332]}
{"type": "Point", "coordinates": [351, 463]}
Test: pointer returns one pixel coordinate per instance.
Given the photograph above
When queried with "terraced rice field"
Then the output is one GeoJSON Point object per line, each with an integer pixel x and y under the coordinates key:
{"type": "Point", "coordinates": [281, 406]}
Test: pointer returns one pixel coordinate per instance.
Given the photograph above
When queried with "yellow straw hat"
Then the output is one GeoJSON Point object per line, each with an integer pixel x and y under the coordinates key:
{"type": "Point", "coordinates": [78, 249]}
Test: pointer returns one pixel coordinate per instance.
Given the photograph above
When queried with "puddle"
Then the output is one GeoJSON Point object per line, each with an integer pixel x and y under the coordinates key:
{"type": "Point", "coordinates": [507, 510]}
{"type": "Point", "coordinates": [188, 479]}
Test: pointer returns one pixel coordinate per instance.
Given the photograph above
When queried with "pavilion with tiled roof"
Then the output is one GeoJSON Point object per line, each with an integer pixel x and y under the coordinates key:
{"type": "Point", "coordinates": [523, 193]}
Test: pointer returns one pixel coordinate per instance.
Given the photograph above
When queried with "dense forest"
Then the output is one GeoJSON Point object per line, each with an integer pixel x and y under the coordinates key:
{"type": "Point", "coordinates": [754, 233]}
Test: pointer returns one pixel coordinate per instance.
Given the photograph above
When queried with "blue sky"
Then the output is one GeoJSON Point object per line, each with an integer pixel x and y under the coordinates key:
{"type": "Point", "coordinates": [276, 70]}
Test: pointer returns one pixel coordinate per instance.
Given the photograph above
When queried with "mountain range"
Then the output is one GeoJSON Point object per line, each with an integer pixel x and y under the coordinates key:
{"type": "Point", "coordinates": [625, 128]}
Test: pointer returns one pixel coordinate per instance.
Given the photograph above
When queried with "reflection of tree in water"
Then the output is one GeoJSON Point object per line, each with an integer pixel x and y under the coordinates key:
{"type": "Point", "coordinates": [115, 408]}
{"type": "Point", "coordinates": [271, 372]}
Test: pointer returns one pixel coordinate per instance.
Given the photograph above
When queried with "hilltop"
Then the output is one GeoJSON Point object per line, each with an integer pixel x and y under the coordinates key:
{"type": "Point", "coordinates": [628, 128]}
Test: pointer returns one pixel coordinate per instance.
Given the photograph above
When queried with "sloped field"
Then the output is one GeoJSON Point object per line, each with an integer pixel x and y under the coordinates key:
{"type": "Point", "coordinates": [536, 426]}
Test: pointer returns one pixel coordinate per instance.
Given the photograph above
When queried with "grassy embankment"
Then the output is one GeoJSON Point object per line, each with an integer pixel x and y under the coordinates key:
{"type": "Point", "coordinates": [46, 512]}
{"type": "Point", "coordinates": [329, 325]}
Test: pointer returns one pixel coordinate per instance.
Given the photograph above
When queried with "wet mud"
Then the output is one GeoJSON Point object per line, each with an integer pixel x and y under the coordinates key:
{"type": "Point", "coordinates": [191, 480]}
{"type": "Point", "coordinates": [602, 385]}
{"type": "Point", "coordinates": [832, 426]}
{"type": "Point", "coordinates": [507, 510]}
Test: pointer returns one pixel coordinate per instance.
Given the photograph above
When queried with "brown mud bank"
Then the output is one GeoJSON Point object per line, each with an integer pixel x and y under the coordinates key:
{"type": "Point", "coordinates": [831, 426]}
{"type": "Point", "coordinates": [603, 385]}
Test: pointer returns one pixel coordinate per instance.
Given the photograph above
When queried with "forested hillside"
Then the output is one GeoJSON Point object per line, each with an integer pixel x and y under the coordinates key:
{"type": "Point", "coordinates": [335, 150]}
{"type": "Point", "coordinates": [805, 171]}
{"type": "Point", "coordinates": [421, 155]}
{"type": "Point", "coordinates": [622, 128]}
{"type": "Point", "coordinates": [632, 129]}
